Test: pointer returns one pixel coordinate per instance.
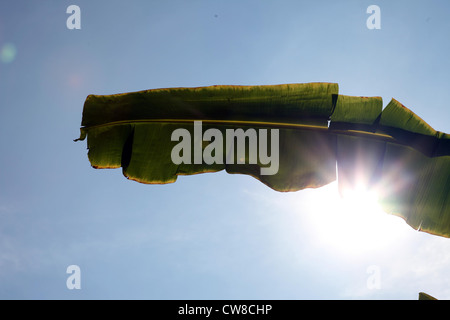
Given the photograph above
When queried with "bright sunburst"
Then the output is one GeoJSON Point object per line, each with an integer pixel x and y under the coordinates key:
{"type": "Point", "coordinates": [353, 223]}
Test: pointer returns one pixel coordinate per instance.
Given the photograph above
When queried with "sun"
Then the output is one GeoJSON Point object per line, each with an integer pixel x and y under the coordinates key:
{"type": "Point", "coordinates": [352, 222]}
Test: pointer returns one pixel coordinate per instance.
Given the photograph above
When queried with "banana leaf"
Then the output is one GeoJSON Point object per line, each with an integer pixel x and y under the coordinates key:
{"type": "Point", "coordinates": [320, 136]}
{"type": "Point", "coordinates": [425, 296]}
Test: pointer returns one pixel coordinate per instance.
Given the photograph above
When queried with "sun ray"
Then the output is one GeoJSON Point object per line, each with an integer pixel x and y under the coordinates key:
{"type": "Point", "coordinates": [353, 222]}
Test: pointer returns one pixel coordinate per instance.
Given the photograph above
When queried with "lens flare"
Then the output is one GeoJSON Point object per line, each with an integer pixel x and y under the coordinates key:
{"type": "Point", "coordinates": [353, 223]}
{"type": "Point", "coordinates": [8, 53]}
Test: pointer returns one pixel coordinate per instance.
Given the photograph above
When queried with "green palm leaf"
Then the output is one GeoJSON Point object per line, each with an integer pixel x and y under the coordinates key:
{"type": "Point", "coordinates": [425, 296]}
{"type": "Point", "coordinates": [391, 150]}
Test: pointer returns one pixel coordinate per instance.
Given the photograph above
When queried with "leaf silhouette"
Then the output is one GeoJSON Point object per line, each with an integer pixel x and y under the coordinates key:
{"type": "Point", "coordinates": [322, 136]}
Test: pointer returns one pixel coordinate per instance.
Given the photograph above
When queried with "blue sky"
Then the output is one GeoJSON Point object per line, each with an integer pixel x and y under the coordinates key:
{"type": "Point", "coordinates": [210, 236]}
